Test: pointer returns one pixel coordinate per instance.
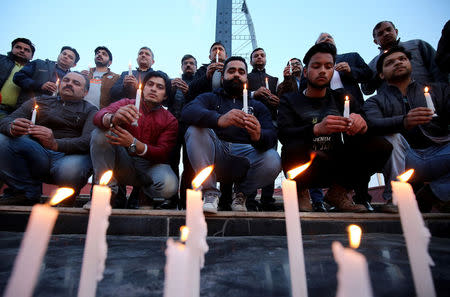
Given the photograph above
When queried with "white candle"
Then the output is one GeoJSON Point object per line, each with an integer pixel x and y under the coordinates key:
{"type": "Point", "coordinates": [290, 67]}
{"type": "Point", "coordinates": [267, 83]}
{"type": "Point", "coordinates": [33, 247]}
{"type": "Point", "coordinates": [430, 104]}
{"type": "Point", "coordinates": [95, 248]}
{"type": "Point", "coordinates": [353, 273]}
{"type": "Point", "coordinates": [294, 232]}
{"type": "Point", "coordinates": [198, 230]}
{"type": "Point", "coordinates": [57, 87]}
{"type": "Point", "coordinates": [346, 107]}
{"type": "Point", "coordinates": [34, 113]}
{"type": "Point", "coordinates": [130, 72]}
{"type": "Point", "coordinates": [176, 270]}
{"type": "Point", "coordinates": [416, 234]}
{"type": "Point", "coordinates": [217, 56]}
{"type": "Point", "coordinates": [245, 98]}
{"type": "Point", "coordinates": [137, 102]}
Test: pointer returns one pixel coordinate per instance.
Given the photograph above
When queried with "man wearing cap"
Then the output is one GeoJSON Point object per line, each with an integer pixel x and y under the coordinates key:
{"type": "Point", "coordinates": [40, 77]}
{"type": "Point", "coordinates": [101, 78]}
{"type": "Point", "coordinates": [22, 51]}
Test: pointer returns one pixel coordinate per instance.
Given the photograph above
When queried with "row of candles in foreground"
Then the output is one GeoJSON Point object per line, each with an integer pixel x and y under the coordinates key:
{"type": "Point", "coordinates": [184, 261]}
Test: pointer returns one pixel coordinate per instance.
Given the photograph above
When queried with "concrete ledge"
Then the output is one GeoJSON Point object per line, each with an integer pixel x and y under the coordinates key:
{"type": "Point", "coordinates": [151, 222]}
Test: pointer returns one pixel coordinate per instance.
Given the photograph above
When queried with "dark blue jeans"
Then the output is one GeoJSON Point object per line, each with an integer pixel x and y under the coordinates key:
{"type": "Point", "coordinates": [25, 164]}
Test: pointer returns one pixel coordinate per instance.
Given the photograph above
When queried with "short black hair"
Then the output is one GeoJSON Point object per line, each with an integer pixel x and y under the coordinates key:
{"type": "Point", "coordinates": [26, 41]}
{"type": "Point", "coordinates": [377, 26]}
{"type": "Point", "coordinates": [86, 79]}
{"type": "Point", "coordinates": [287, 64]}
{"type": "Point", "coordinates": [161, 74]}
{"type": "Point", "coordinates": [389, 52]}
{"type": "Point", "coordinates": [149, 49]}
{"type": "Point", "coordinates": [255, 50]}
{"type": "Point", "coordinates": [77, 56]}
{"type": "Point", "coordinates": [188, 56]}
{"type": "Point", "coordinates": [218, 43]}
{"type": "Point", "coordinates": [234, 58]}
{"type": "Point", "coordinates": [322, 47]}
{"type": "Point", "coordinates": [105, 49]}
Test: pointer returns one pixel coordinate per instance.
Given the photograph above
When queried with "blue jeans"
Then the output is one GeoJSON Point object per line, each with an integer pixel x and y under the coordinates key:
{"type": "Point", "coordinates": [204, 148]}
{"type": "Point", "coordinates": [26, 164]}
{"type": "Point", "coordinates": [156, 180]}
{"type": "Point", "coordinates": [432, 165]}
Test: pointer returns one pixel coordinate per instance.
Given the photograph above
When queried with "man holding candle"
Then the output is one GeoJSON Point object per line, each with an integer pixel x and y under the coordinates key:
{"type": "Point", "coordinates": [101, 78]}
{"type": "Point", "coordinates": [292, 75]}
{"type": "Point", "coordinates": [400, 112]}
{"type": "Point", "coordinates": [22, 51]}
{"type": "Point", "coordinates": [55, 149]}
{"type": "Point", "coordinates": [39, 77]}
{"type": "Point", "coordinates": [221, 132]}
{"type": "Point", "coordinates": [312, 121]}
{"type": "Point", "coordinates": [262, 87]}
{"type": "Point", "coordinates": [424, 67]}
{"type": "Point", "coordinates": [138, 155]}
{"type": "Point", "coordinates": [126, 85]}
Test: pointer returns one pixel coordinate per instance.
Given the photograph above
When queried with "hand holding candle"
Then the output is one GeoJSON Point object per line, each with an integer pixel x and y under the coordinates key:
{"type": "Point", "coordinates": [33, 246]}
{"type": "Point", "coordinates": [137, 102]}
{"type": "Point", "coordinates": [416, 234]}
{"type": "Point", "coordinates": [353, 274]}
{"type": "Point", "coordinates": [430, 103]}
{"type": "Point", "coordinates": [245, 99]}
{"type": "Point", "coordinates": [347, 107]}
{"type": "Point", "coordinates": [57, 87]}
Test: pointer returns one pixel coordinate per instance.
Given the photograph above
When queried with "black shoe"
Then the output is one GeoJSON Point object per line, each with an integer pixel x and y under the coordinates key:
{"type": "Point", "coordinates": [167, 204]}
{"type": "Point", "coordinates": [367, 205]}
{"type": "Point", "coordinates": [425, 198]}
{"type": "Point", "coordinates": [253, 205]}
{"type": "Point", "coordinates": [319, 206]}
{"type": "Point", "coordinates": [364, 199]}
{"type": "Point", "coordinates": [21, 200]}
{"type": "Point", "coordinates": [269, 206]}
{"type": "Point", "coordinates": [133, 200]}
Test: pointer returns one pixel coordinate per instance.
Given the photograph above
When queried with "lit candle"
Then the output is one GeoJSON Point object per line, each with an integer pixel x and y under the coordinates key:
{"type": "Point", "coordinates": [267, 82]}
{"type": "Point", "coordinates": [34, 113]}
{"type": "Point", "coordinates": [57, 87]}
{"type": "Point", "coordinates": [198, 230]}
{"type": "Point", "coordinates": [294, 232]}
{"type": "Point", "coordinates": [416, 234]}
{"type": "Point", "coordinates": [137, 102]}
{"type": "Point", "coordinates": [245, 99]}
{"type": "Point", "coordinates": [353, 273]}
{"type": "Point", "coordinates": [176, 271]}
{"type": "Point", "coordinates": [95, 248]}
{"type": "Point", "coordinates": [217, 56]}
{"type": "Point", "coordinates": [33, 246]}
{"type": "Point", "coordinates": [290, 67]}
{"type": "Point", "coordinates": [346, 107]}
{"type": "Point", "coordinates": [430, 104]}
{"type": "Point", "coordinates": [130, 72]}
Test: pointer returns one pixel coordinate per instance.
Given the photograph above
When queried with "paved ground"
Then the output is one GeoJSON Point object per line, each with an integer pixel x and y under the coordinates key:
{"type": "Point", "coordinates": [235, 266]}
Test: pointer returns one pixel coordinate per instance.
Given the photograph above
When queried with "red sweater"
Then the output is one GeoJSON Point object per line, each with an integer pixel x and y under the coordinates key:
{"type": "Point", "coordinates": [157, 128]}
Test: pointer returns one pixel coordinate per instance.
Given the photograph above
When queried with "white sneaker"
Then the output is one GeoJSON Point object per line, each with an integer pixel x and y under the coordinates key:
{"type": "Point", "coordinates": [87, 206]}
{"type": "Point", "coordinates": [238, 203]}
{"type": "Point", "coordinates": [210, 202]}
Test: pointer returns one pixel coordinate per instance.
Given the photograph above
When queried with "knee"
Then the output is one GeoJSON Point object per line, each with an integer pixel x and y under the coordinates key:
{"type": "Point", "coordinates": [272, 163]}
{"type": "Point", "coordinates": [98, 138]}
{"type": "Point", "coordinates": [166, 184]}
{"type": "Point", "coordinates": [74, 171]}
{"type": "Point", "coordinates": [193, 133]}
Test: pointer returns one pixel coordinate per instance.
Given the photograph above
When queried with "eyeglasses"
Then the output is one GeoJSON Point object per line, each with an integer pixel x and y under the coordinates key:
{"type": "Point", "coordinates": [296, 64]}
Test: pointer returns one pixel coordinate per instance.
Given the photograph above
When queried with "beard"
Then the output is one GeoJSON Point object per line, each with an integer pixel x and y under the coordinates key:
{"type": "Point", "coordinates": [233, 86]}
{"type": "Point", "coordinates": [19, 59]}
{"type": "Point", "coordinates": [101, 64]}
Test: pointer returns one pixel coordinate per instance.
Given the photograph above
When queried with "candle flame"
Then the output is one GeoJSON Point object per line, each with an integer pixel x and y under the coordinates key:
{"type": "Point", "coordinates": [426, 89]}
{"type": "Point", "coordinates": [106, 177]}
{"type": "Point", "coordinates": [140, 86]}
{"type": "Point", "coordinates": [406, 175]}
{"type": "Point", "coordinates": [57, 82]}
{"type": "Point", "coordinates": [346, 98]}
{"type": "Point", "coordinates": [201, 177]}
{"type": "Point", "coordinates": [267, 79]}
{"type": "Point", "coordinates": [245, 86]}
{"type": "Point", "coordinates": [129, 63]}
{"type": "Point", "coordinates": [184, 233]}
{"type": "Point", "coordinates": [354, 235]}
{"type": "Point", "coordinates": [296, 171]}
{"type": "Point", "coordinates": [36, 106]}
{"type": "Point", "coordinates": [60, 195]}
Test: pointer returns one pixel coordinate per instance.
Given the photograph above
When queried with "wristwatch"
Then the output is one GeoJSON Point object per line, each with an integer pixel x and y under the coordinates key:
{"type": "Point", "coordinates": [132, 147]}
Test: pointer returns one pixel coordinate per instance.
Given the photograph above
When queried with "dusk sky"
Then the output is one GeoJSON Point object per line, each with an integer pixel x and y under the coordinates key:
{"type": "Point", "coordinates": [171, 29]}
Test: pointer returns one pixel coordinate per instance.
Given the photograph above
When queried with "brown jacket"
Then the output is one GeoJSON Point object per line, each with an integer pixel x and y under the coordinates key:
{"type": "Point", "coordinates": [108, 80]}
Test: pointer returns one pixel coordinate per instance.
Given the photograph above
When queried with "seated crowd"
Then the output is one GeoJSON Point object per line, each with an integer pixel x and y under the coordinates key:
{"type": "Point", "coordinates": [60, 126]}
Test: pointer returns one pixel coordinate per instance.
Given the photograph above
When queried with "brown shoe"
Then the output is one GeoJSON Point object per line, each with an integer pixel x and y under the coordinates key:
{"type": "Point", "coordinates": [304, 200]}
{"type": "Point", "coordinates": [337, 196]}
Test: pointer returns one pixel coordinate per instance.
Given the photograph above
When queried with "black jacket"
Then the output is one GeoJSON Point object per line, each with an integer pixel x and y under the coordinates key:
{"type": "Point", "coordinates": [257, 79]}
{"type": "Point", "coordinates": [119, 92]}
{"type": "Point", "coordinates": [6, 65]}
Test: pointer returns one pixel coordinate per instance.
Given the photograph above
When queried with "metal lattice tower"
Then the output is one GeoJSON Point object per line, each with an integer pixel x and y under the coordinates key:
{"type": "Point", "coordinates": [234, 28]}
